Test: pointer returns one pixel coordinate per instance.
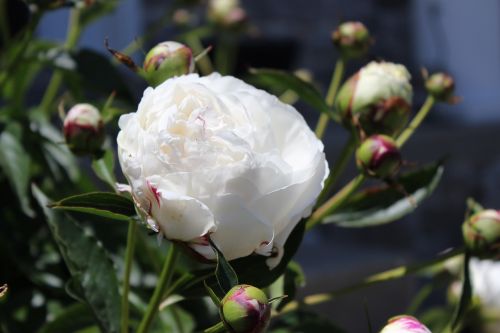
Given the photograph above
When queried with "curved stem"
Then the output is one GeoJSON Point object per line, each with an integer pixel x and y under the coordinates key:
{"type": "Point", "coordinates": [417, 120]}
{"type": "Point", "coordinates": [338, 168]}
{"type": "Point", "coordinates": [57, 78]}
{"type": "Point", "coordinates": [338, 73]}
{"type": "Point", "coordinates": [217, 328]}
{"type": "Point", "coordinates": [159, 292]}
{"type": "Point", "coordinates": [129, 254]}
{"type": "Point", "coordinates": [391, 274]}
{"type": "Point", "coordinates": [335, 202]}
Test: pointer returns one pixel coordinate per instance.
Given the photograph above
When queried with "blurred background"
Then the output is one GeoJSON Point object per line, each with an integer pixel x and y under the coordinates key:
{"type": "Point", "coordinates": [461, 37]}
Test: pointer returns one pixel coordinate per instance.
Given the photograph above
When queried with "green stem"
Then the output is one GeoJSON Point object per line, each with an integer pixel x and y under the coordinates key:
{"type": "Point", "coordinates": [417, 120]}
{"type": "Point", "coordinates": [338, 168]}
{"type": "Point", "coordinates": [72, 36]}
{"type": "Point", "coordinates": [129, 254]}
{"type": "Point", "coordinates": [163, 283]}
{"type": "Point", "coordinates": [392, 274]}
{"type": "Point", "coordinates": [343, 195]}
{"type": "Point", "coordinates": [335, 202]}
{"type": "Point", "coordinates": [225, 53]}
{"type": "Point", "coordinates": [338, 73]}
{"type": "Point", "coordinates": [217, 328]}
{"type": "Point", "coordinates": [204, 64]}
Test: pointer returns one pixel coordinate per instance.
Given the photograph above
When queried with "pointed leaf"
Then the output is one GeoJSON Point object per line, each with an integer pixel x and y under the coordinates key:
{"type": "Point", "coordinates": [15, 162]}
{"type": "Point", "coordinates": [104, 204]}
{"type": "Point", "coordinates": [281, 81]}
{"type": "Point", "coordinates": [225, 274]}
{"type": "Point", "coordinates": [384, 204]}
{"type": "Point", "coordinates": [88, 264]}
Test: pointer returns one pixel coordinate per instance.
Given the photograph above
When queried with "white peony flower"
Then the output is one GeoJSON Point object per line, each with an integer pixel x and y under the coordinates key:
{"type": "Point", "coordinates": [404, 324]}
{"type": "Point", "coordinates": [215, 156]}
{"type": "Point", "coordinates": [485, 281]}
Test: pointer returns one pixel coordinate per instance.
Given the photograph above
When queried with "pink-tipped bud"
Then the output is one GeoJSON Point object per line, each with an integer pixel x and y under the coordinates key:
{"type": "Point", "coordinates": [378, 156]}
{"type": "Point", "coordinates": [481, 234]}
{"type": "Point", "coordinates": [166, 60]}
{"type": "Point", "coordinates": [245, 309]}
{"type": "Point", "coordinates": [352, 39]}
{"type": "Point", "coordinates": [84, 129]}
{"type": "Point", "coordinates": [404, 324]}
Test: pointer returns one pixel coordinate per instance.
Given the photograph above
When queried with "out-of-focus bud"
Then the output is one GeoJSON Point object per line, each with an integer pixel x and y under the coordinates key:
{"type": "Point", "coordinates": [226, 13]}
{"type": "Point", "coordinates": [352, 39]}
{"type": "Point", "coordinates": [377, 98]}
{"type": "Point", "coordinates": [481, 233]}
{"type": "Point", "coordinates": [378, 156]}
{"type": "Point", "coordinates": [441, 86]}
{"type": "Point", "coordinates": [84, 130]}
{"type": "Point", "coordinates": [166, 60]}
{"type": "Point", "coordinates": [404, 324]}
{"type": "Point", "coordinates": [181, 17]}
{"type": "Point", "coordinates": [245, 309]}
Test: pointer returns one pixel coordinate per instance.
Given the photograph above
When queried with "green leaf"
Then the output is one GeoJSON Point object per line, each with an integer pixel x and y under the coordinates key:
{"type": "Point", "coordinates": [73, 318]}
{"type": "Point", "coordinates": [213, 296]}
{"type": "Point", "coordinates": [225, 274]}
{"type": "Point", "coordinates": [104, 168]}
{"type": "Point", "coordinates": [281, 81]}
{"type": "Point", "coordinates": [384, 204]}
{"type": "Point", "coordinates": [88, 264]}
{"type": "Point", "coordinates": [105, 204]}
{"type": "Point", "coordinates": [15, 162]}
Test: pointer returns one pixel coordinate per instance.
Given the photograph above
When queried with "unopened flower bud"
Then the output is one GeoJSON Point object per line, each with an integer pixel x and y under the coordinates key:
{"type": "Point", "coordinates": [404, 324]}
{"type": "Point", "coordinates": [377, 98]}
{"type": "Point", "coordinates": [181, 17]}
{"type": "Point", "coordinates": [481, 233]}
{"type": "Point", "coordinates": [441, 86]}
{"type": "Point", "coordinates": [245, 309]}
{"type": "Point", "coordinates": [378, 156]}
{"type": "Point", "coordinates": [226, 13]}
{"type": "Point", "coordinates": [352, 39]}
{"type": "Point", "coordinates": [84, 129]}
{"type": "Point", "coordinates": [166, 60]}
